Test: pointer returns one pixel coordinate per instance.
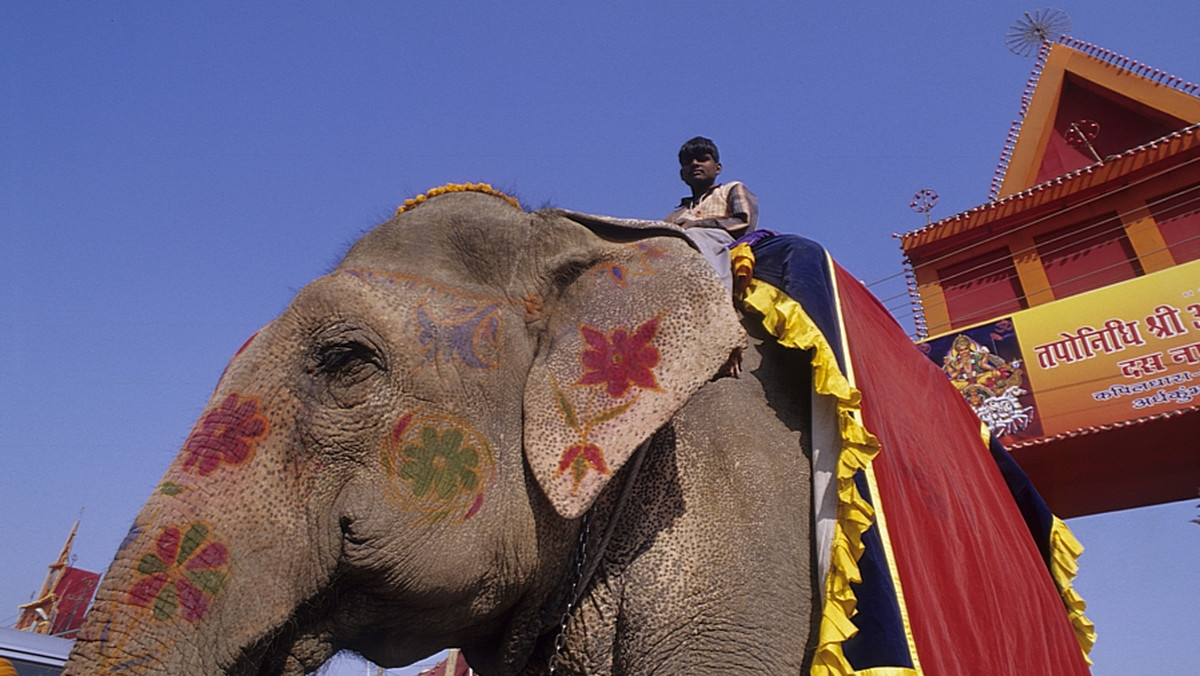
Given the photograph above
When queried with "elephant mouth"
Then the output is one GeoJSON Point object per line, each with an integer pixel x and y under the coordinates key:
{"type": "Point", "coordinates": [281, 656]}
{"type": "Point", "coordinates": [294, 649]}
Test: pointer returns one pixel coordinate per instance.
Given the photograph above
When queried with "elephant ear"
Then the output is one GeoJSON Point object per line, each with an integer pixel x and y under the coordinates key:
{"type": "Point", "coordinates": [630, 339]}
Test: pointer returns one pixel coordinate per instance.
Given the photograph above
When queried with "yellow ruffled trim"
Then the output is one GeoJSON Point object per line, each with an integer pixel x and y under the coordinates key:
{"type": "Point", "coordinates": [456, 187]}
{"type": "Point", "coordinates": [783, 318]}
{"type": "Point", "coordinates": [1064, 566]}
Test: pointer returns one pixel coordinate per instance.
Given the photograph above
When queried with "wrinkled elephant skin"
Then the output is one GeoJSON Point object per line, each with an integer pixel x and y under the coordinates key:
{"type": "Point", "coordinates": [409, 457]}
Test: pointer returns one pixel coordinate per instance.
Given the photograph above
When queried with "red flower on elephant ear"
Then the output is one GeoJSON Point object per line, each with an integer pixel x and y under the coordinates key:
{"type": "Point", "coordinates": [227, 434]}
{"type": "Point", "coordinates": [620, 359]}
{"type": "Point", "coordinates": [581, 458]}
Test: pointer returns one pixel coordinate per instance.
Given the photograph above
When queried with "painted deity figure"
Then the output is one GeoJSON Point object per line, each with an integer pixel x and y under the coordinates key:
{"type": "Point", "coordinates": [978, 373]}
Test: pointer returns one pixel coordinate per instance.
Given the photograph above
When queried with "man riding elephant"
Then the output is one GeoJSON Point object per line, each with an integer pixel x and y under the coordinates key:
{"type": "Point", "coordinates": [715, 214]}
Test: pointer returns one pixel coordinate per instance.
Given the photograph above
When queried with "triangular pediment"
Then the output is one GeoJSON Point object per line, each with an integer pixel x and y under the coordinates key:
{"type": "Point", "coordinates": [1088, 106]}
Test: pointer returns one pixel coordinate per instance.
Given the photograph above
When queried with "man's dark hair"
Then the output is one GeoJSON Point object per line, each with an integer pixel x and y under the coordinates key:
{"type": "Point", "coordinates": [698, 147]}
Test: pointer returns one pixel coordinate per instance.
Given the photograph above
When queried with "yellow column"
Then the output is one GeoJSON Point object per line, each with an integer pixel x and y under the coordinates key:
{"type": "Point", "coordinates": [1142, 232]}
{"type": "Point", "coordinates": [933, 301]}
{"type": "Point", "coordinates": [1030, 272]}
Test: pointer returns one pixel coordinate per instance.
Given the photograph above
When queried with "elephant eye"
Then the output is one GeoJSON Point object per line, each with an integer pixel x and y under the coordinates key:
{"type": "Point", "coordinates": [345, 364]}
{"type": "Point", "coordinates": [348, 362]}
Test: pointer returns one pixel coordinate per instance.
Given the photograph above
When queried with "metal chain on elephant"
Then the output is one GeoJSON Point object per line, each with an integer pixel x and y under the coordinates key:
{"type": "Point", "coordinates": [573, 597]}
{"type": "Point", "coordinates": [584, 571]}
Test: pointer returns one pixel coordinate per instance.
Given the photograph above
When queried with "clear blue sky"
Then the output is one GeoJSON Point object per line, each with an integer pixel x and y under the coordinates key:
{"type": "Point", "coordinates": [171, 173]}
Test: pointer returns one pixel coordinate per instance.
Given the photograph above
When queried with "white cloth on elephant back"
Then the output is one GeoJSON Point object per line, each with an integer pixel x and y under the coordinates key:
{"type": "Point", "coordinates": [713, 244]}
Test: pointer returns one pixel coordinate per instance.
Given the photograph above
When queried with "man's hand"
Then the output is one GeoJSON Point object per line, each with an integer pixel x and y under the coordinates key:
{"type": "Point", "coordinates": [732, 368]}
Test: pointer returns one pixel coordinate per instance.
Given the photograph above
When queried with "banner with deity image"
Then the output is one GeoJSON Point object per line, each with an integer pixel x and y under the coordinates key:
{"type": "Point", "coordinates": [986, 366]}
{"type": "Point", "coordinates": [1127, 351]}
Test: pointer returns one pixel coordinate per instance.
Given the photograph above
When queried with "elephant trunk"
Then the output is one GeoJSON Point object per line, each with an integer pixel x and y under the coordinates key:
{"type": "Point", "coordinates": [221, 562]}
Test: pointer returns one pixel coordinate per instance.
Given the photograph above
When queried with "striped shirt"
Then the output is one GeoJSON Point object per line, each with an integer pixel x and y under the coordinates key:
{"type": "Point", "coordinates": [730, 206]}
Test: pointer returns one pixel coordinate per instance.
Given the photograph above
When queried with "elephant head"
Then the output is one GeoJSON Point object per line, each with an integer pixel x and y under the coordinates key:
{"type": "Point", "coordinates": [399, 461]}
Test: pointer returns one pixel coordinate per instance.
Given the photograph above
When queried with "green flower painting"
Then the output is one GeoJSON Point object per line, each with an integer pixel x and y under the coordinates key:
{"type": "Point", "coordinates": [437, 465]}
{"type": "Point", "coordinates": [441, 463]}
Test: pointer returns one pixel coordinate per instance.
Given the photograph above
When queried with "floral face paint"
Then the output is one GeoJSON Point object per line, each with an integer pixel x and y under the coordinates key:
{"type": "Point", "coordinates": [226, 435]}
{"type": "Point", "coordinates": [181, 574]}
{"type": "Point", "coordinates": [467, 334]}
{"type": "Point", "coordinates": [437, 466]}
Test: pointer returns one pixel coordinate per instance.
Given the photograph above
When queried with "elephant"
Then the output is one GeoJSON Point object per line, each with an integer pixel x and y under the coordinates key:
{"type": "Point", "coordinates": [517, 433]}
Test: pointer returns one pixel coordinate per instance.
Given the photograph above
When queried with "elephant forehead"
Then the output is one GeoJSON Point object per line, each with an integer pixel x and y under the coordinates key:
{"type": "Point", "coordinates": [366, 293]}
{"type": "Point", "coordinates": [418, 321]}
{"type": "Point", "coordinates": [406, 285]}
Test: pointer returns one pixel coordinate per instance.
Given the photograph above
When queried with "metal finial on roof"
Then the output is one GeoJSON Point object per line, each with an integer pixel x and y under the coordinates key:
{"type": "Point", "coordinates": [923, 202]}
{"type": "Point", "coordinates": [1033, 28]}
{"type": "Point", "coordinates": [1082, 133]}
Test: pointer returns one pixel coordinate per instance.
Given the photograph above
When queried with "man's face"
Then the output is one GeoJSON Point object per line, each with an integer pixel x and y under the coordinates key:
{"type": "Point", "coordinates": [700, 171]}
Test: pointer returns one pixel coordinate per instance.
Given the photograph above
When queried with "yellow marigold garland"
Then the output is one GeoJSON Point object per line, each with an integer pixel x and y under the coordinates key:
{"type": "Point", "coordinates": [456, 187]}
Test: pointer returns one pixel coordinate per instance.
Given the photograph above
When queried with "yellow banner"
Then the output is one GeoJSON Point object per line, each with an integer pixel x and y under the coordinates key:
{"type": "Point", "coordinates": [1123, 352]}
{"type": "Point", "coordinates": [1126, 351]}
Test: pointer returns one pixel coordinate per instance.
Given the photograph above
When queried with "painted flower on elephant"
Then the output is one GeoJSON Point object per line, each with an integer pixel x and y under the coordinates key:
{"type": "Point", "coordinates": [181, 574]}
{"type": "Point", "coordinates": [226, 434]}
{"type": "Point", "coordinates": [620, 359]}
{"type": "Point", "coordinates": [580, 458]}
{"type": "Point", "coordinates": [622, 362]}
{"type": "Point", "coordinates": [437, 465]}
{"type": "Point", "coordinates": [440, 463]}
{"type": "Point", "coordinates": [468, 334]}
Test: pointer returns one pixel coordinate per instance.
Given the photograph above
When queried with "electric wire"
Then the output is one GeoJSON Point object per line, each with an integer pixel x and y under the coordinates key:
{"type": "Point", "coordinates": [984, 312]}
{"type": "Point", "coordinates": [1045, 249]}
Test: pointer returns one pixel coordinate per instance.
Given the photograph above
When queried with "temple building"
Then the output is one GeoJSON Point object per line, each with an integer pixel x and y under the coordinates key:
{"type": "Point", "coordinates": [1066, 309]}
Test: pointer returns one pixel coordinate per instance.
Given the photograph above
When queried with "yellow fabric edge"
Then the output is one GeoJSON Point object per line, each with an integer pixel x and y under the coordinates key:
{"type": "Point", "coordinates": [1065, 551]}
{"type": "Point", "coordinates": [1064, 565]}
{"type": "Point", "coordinates": [783, 318]}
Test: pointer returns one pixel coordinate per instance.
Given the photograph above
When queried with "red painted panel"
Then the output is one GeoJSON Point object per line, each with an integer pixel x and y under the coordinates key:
{"type": "Point", "coordinates": [983, 287]}
{"type": "Point", "coordinates": [1178, 218]}
{"type": "Point", "coordinates": [1087, 255]}
{"type": "Point", "coordinates": [1122, 124]}
{"type": "Point", "coordinates": [74, 591]}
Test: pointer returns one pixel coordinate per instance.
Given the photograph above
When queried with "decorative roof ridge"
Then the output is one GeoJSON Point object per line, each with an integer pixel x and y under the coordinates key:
{"type": "Point", "coordinates": [1014, 129]}
{"type": "Point", "coordinates": [1131, 65]}
{"type": "Point", "coordinates": [1097, 52]}
{"type": "Point", "coordinates": [1057, 180]}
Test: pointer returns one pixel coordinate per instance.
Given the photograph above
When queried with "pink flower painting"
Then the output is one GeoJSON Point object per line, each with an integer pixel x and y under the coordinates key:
{"type": "Point", "coordinates": [226, 435]}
